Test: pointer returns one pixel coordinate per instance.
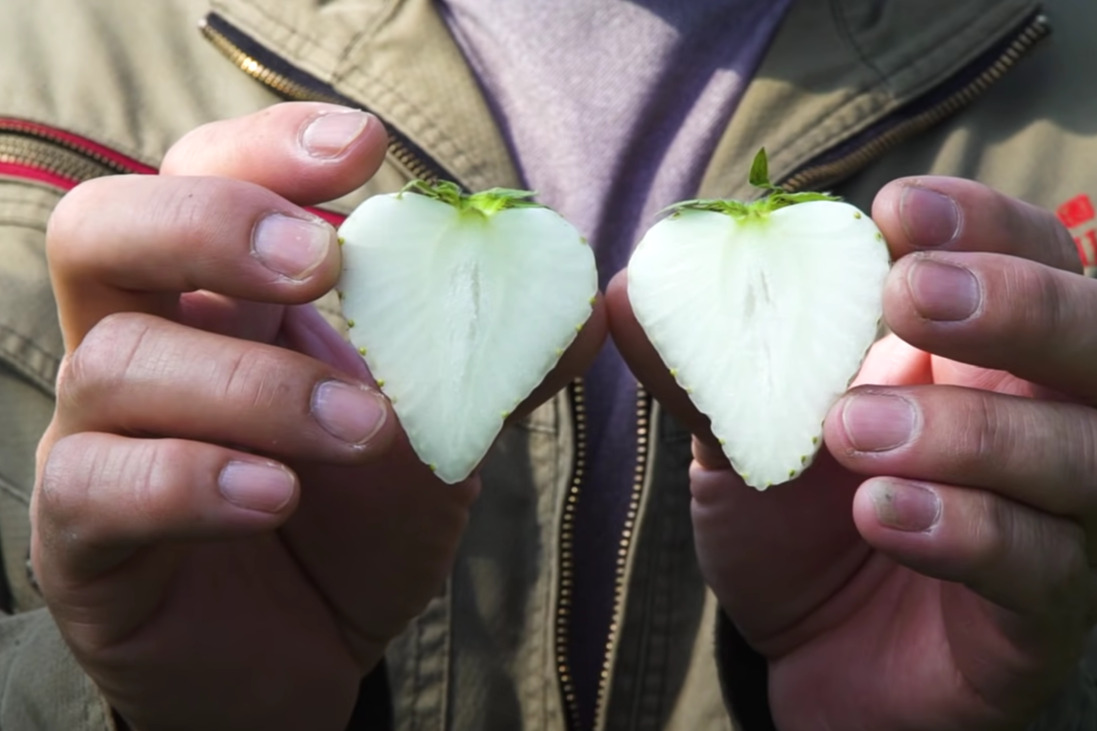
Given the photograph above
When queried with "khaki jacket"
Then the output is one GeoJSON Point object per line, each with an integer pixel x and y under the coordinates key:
{"type": "Point", "coordinates": [851, 94]}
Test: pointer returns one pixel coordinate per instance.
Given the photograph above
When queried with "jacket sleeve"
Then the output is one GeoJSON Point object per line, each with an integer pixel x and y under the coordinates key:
{"type": "Point", "coordinates": [743, 678]}
{"type": "Point", "coordinates": [41, 686]}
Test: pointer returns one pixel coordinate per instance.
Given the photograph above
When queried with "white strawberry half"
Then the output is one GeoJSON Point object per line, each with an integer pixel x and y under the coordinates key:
{"type": "Point", "coordinates": [763, 312]}
{"type": "Point", "coordinates": [461, 305]}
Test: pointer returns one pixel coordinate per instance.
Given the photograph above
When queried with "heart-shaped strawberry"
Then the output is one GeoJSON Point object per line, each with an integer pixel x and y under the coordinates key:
{"type": "Point", "coordinates": [763, 312]}
{"type": "Point", "coordinates": [461, 305]}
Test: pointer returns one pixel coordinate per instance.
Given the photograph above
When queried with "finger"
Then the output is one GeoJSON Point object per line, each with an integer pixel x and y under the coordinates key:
{"type": "Point", "coordinates": [950, 214]}
{"type": "Point", "coordinates": [306, 151]}
{"type": "Point", "coordinates": [1033, 452]}
{"type": "Point", "coordinates": [892, 361]}
{"type": "Point", "coordinates": [236, 318]}
{"type": "Point", "coordinates": [644, 362]}
{"type": "Point", "coordinates": [998, 312]}
{"type": "Point", "coordinates": [103, 498]}
{"type": "Point", "coordinates": [889, 361]}
{"type": "Point", "coordinates": [137, 374]}
{"type": "Point", "coordinates": [774, 557]}
{"type": "Point", "coordinates": [100, 496]}
{"type": "Point", "coordinates": [132, 243]}
{"type": "Point", "coordinates": [1017, 557]}
{"type": "Point", "coordinates": [305, 330]}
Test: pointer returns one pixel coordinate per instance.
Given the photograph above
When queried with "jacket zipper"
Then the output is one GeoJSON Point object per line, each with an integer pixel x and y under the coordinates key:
{"type": "Point", "coordinates": [61, 159]}
{"type": "Point", "coordinates": [292, 83]}
{"type": "Point", "coordinates": [56, 157]}
{"type": "Point", "coordinates": [566, 594]}
{"type": "Point", "coordinates": [564, 605]}
{"type": "Point", "coordinates": [849, 157]}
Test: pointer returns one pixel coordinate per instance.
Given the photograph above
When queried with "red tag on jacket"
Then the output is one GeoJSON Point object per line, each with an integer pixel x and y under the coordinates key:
{"type": "Point", "coordinates": [1076, 211]}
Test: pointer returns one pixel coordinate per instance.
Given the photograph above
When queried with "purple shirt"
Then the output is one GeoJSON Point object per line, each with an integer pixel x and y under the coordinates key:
{"type": "Point", "coordinates": [611, 110]}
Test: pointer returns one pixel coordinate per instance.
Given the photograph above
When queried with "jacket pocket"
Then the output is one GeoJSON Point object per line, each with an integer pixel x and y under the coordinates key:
{"type": "Point", "coordinates": [30, 338]}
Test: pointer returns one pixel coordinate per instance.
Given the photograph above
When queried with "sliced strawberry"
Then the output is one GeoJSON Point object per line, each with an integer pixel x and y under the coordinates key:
{"type": "Point", "coordinates": [763, 312]}
{"type": "Point", "coordinates": [461, 305]}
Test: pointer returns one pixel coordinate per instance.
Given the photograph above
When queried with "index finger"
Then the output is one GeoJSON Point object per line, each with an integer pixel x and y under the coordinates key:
{"type": "Point", "coordinates": [951, 214]}
{"type": "Point", "coordinates": [134, 243]}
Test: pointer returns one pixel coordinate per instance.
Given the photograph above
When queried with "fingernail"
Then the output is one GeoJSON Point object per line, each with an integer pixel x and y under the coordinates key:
{"type": "Point", "coordinates": [261, 486]}
{"type": "Point", "coordinates": [878, 422]}
{"type": "Point", "coordinates": [905, 506]}
{"type": "Point", "coordinates": [291, 247]}
{"type": "Point", "coordinates": [930, 219]}
{"type": "Point", "coordinates": [352, 414]}
{"type": "Point", "coordinates": [943, 292]}
{"type": "Point", "coordinates": [329, 135]}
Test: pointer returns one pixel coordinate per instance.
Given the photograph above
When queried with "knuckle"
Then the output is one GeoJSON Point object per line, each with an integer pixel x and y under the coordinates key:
{"type": "Point", "coordinates": [206, 209]}
{"type": "Point", "coordinates": [255, 379]}
{"type": "Point", "coordinates": [992, 524]}
{"type": "Point", "coordinates": [1057, 237]}
{"type": "Point", "coordinates": [89, 481]}
{"type": "Point", "coordinates": [110, 351]}
{"type": "Point", "coordinates": [64, 224]}
{"type": "Point", "coordinates": [980, 434]}
{"type": "Point", "coordinates": [1068, 573]}
{"type": "Point", "coordinates": [1051, 316]}
{"type": "Point", "coordinates": [1066, 540]}
{"type": "Point", "coordinates": [1078, 467]}
{"type": "Point", "coordinates": [151, 469]}
{"type": "Point", "coordinates": [1033, 307]}
{"type": "Point", "coordinates": [1039, 231]}
{"type": "Point", "coordinates": [69, 467]}
{"type": "Point", "coordinates": [190, 205]}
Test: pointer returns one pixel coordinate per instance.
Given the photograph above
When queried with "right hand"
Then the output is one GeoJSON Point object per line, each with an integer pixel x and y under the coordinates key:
{"type": "Point", "coordinates": [228, 523]}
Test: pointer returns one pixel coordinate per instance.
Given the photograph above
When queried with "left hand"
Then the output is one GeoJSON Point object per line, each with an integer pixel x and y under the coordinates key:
{"type": "Point", "coordinates": [954, 589]}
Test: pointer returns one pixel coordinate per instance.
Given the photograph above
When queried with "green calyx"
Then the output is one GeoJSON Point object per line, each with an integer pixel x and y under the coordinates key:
{"type": "Point", "coordinates": [776, 197]}
{"type": "Point", "coordinates": [486, 203]}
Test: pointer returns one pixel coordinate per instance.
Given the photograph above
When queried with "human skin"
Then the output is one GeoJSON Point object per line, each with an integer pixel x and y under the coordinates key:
{"type": "Point", "coordinates": [228, 523]}
{"type": "Point", "coordinates": [170, 375]}
{"type": "Point", "coordinates": [934, 568]}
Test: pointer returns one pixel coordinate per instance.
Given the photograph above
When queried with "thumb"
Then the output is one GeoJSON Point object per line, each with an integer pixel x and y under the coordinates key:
{"type": "Point", "coordinates": [647, 366]}
{"type": "Point", "coordinates": [773, 557]}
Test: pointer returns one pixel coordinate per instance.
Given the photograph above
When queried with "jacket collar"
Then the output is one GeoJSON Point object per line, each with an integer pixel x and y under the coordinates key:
{"type": "Point", "coordinates": [373, 54]}
{"type": "Point", "coordinates": [834, 70]}
{"type": "Point", "coordinates": [838, 71]}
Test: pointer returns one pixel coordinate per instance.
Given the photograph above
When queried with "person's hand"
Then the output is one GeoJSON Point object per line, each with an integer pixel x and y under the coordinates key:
{"type": "Point", "coordinates": [954, 589]}
{"type": "Point", "coordinates": [228, 523]}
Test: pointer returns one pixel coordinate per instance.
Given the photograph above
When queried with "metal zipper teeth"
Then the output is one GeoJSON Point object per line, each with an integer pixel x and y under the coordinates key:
{"type": "Point", "coordinates": [567, 549]}
{"type": "Point", "coordinates": [14, 128]}
{"type": "Point", "coordinates": [54, 157]}
{"type": "Point", "coordinates": [820, 175]}
{"type": "Point", "coordinates": [290, 89]}
{"type": "Point", "coordinates": [639, 473]}
{"type": "Point", "coordinates": [567, 554]}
